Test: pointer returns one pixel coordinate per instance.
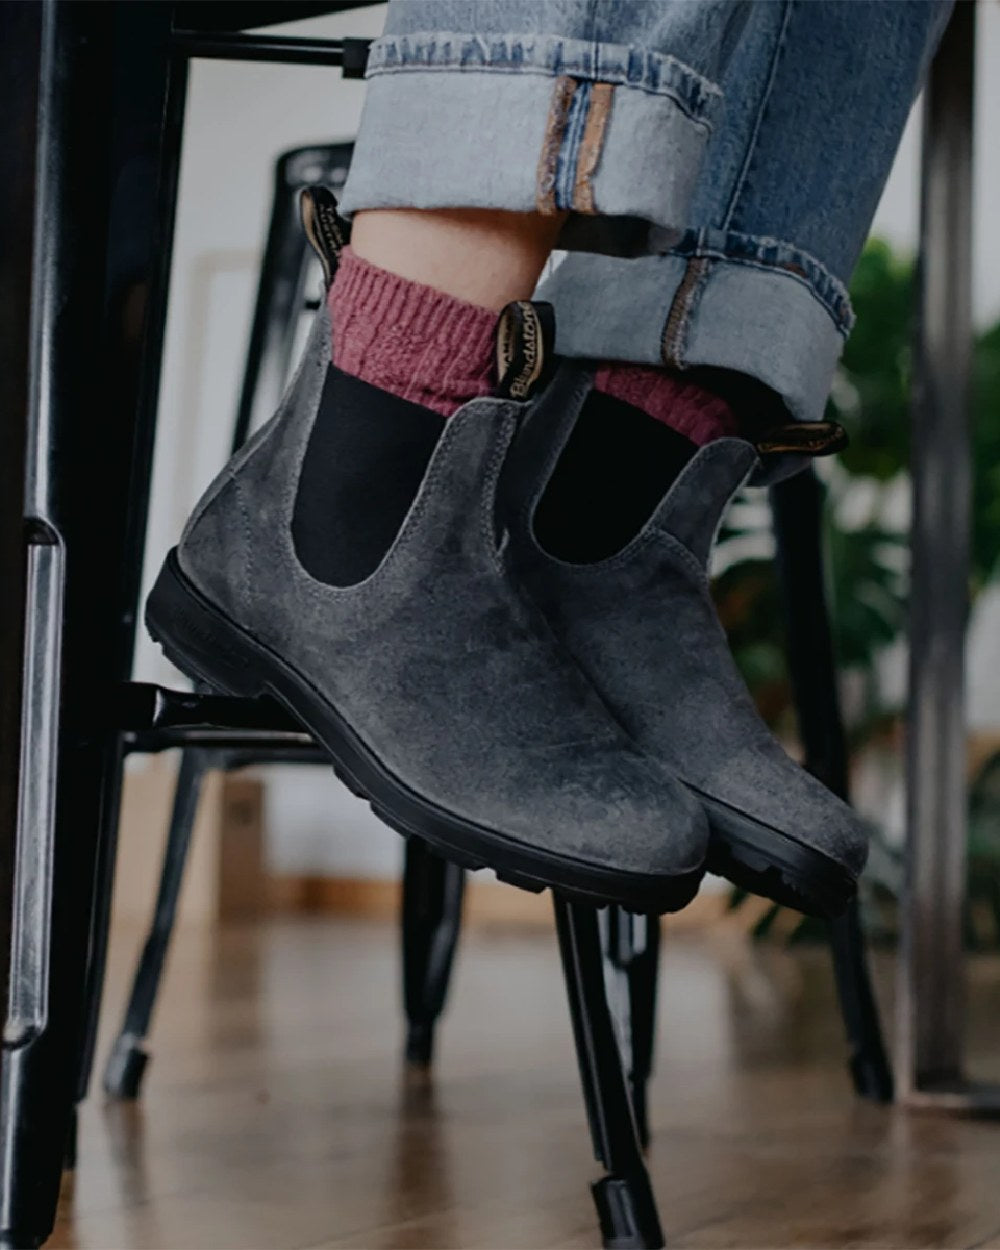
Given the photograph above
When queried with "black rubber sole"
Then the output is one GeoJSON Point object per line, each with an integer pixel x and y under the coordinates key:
{"type": "Point", "coordinates": [765, 861]}
{"type": "Point", "coordinates": [203, 642]}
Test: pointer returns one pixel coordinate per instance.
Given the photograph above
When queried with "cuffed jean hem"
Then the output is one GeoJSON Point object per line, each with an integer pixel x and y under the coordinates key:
{"type": "Point", "coordinates": [761, 308]}
{"type": "Point", "coordinates": [530, 123]}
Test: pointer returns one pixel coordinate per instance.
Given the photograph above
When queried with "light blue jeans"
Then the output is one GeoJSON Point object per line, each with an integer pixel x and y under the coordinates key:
{"type": "Point", "coordinates": [721, 160]}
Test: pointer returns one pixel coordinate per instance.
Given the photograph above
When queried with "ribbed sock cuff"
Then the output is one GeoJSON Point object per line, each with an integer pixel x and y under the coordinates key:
{"type": "Point", "coordinates": [409, 339]}
{"type": "Point", "coordinates": [686, 407]}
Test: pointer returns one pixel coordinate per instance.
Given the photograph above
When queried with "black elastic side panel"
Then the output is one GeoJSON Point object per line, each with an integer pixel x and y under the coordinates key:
{"type": "Point", "coordinates": [366, 458]}
{"type": "Point", "coordinates": [616, 467]}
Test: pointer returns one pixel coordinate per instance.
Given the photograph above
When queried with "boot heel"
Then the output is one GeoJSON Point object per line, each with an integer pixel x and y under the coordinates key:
{"type": "Point", "coordinates": [196, 637]}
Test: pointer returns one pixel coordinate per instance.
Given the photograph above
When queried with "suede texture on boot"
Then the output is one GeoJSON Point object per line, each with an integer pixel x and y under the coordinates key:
{"type": "Point", "coordinates": [435, 668]}
{"type": "Point", "coordinates": [643, 627]}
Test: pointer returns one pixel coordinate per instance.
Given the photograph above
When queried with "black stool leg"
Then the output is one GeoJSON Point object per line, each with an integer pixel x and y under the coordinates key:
{"type": "Point", "coordinates": [432, 917]}
{"type": "Point", "coordinates": [624, 1197]}
{"type": "Point", "coordinates": [797, 504]}
{"type": "Point", "coordinates": [158, 156]}
{"type": "Point", "coordinates": [98, 258]}
{"type": "Point", "coordinates": [128, 1059]}
{"type": "Point", "coordinates": [632, 948]}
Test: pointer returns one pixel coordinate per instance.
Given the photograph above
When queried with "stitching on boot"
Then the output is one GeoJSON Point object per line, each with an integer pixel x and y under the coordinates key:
{"type": "Point", "coordinates": [692, 565]}
{"type": "Point", "coordinates": [248, 548]}
{"type": "Point", "coordinates": [675, 330]}
{"type": "Point", "coordinates": [506, 429]}
{"type": "Point", "coordinates": [591, 145]}
{"type": "Point", "coordinates": [555, 129]}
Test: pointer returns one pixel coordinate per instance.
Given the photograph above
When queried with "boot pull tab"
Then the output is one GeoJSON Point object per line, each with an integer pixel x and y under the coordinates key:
{"type": "Point", "coordinates": [325, 229]}
{"type": "Point", "coordinates": [526, 333]}
{"type": "Point", "coordinates": [802, 438]}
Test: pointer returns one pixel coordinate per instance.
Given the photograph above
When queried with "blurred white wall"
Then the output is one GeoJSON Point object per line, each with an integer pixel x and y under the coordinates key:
{"type": "Point", "coordinates": [240, 118]}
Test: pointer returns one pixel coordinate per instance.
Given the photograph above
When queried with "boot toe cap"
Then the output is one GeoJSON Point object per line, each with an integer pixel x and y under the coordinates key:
{"type": "Point", "coordinates": [768, 789]}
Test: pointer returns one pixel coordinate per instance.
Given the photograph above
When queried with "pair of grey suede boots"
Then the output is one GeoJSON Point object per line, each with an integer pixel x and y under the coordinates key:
{"type": "Point", "coordinates": [578, 726]}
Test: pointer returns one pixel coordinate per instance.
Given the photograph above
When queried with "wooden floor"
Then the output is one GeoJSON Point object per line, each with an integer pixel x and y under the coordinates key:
{"type": "Point", "coordinates": [277, 1114]}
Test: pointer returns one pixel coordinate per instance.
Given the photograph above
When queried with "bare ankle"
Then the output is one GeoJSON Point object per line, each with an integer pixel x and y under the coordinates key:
{"type": "Point", "coordinates": [483, 256]}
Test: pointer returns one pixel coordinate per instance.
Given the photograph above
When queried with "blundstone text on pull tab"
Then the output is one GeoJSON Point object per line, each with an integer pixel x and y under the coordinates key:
{"type": "Point", "coordinates": [525, 339]}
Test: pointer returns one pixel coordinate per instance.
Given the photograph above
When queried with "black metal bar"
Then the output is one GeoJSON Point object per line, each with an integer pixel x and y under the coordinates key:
{"type": "Point", "coordinates": [797, 504]}
{"type": "Point", "coordinates": [87, 305]}
{"type": "Point", "coordinates": [20, 63]}
{"type": "Point", "coordinates": [22, 53]}
{"type": "Point", "coordinates": [139, 357]}
{"type": "Point", "coordinates": [48, 944]}
{"type": "Point", "coordinates": [932, 983]}
{"type": "Point", "coordinates": [797, 507]}
{"type": "Point", "coordinates": [632, 949]}
{"type": "Point", "coordinates": [431, 919]}
{"type": "Point", "coordinates": [624, 1197]}
{"type": "Point", "coordinates": [128, 1059]}
{"type": "Point", "coordinates": [140, 706]}
{"type": "Point", "coordinates": [248, 745]}
{"type": "Point", "coordinates": [236, 46]}
{"type": "Point", "coordinates": [351, 54]}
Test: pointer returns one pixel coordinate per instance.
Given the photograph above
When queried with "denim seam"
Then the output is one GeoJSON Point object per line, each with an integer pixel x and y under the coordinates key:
{"type": "Point", "coordinates": [615, 79]}
{"type": "Point", "coordinates": [547, 176]}
{"type": "Point", "coordinates": [569, 149]}
{"type": "Point", "coordinates": [665, 76]}
{"type": "Point", "coordinates": [810, 272]}
{"type": "Point", "coordinates": [595, 129]}
{"type": "Point", "coordinates": [682, 308]}
{"type": "Point", "coordinates": [842, 323]}
{"type": "Point", "coordinates": [575, 132]}
{"type": "Point", "coordinates": [247, 540]}
{"type": "Point", "coordinates": [779, 47]}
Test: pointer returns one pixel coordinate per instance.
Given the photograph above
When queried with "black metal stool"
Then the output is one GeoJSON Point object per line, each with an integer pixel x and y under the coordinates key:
{"type": "Point", "coordinates": [96, 93]}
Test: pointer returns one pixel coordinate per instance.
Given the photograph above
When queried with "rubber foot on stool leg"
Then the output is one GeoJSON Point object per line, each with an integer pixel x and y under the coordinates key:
{"type": "Point", "coordinates": [626, 1209]}
{"type": "Point", "coordinates": [126, 1065]}
{"type": "Point", "coordinates": [420, 1045]}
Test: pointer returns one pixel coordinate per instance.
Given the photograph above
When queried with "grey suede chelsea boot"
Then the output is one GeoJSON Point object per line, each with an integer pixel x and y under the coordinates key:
{"type": "Point", "coordinates": [437, 689]}
{"type": "Point", "coordinates": [642, 626]}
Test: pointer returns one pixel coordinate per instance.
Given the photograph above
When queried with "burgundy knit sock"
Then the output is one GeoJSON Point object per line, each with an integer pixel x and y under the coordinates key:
{"type": "Point", "coordinates": [409, 339]}
{"type": "Point", "coordinates": [686, 407]}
